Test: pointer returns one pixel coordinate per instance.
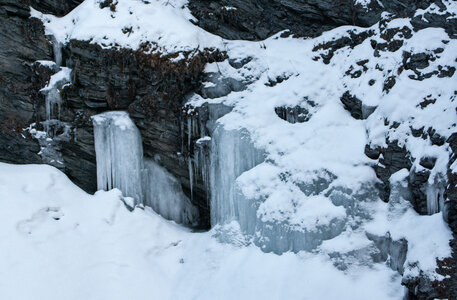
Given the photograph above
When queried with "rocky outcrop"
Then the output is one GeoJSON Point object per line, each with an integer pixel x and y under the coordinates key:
{"type": "Point", "coordinates": [55, 7]}
{"type": "Point", "coordinates": [151, 87]}
{"type": "Point", "coordinates": [259, 19]}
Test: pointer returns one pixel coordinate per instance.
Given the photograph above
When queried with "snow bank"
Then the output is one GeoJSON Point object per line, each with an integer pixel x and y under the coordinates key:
{"type": "Point", "coordinates": [61, 243]}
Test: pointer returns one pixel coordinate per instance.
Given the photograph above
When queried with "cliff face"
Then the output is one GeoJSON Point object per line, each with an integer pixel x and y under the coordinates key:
{"type": "Point", "coordinates": [153, 87]}
{"type": "Point", "coordinates": [259, 19]}
{"type": "Point", "coordinates": [22, 42]}
{"type": "Point", "coordinates": [150, 87]}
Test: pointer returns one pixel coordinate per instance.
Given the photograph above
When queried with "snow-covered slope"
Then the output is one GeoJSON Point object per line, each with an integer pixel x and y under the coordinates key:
{"type": "Point", "coordinates": [60, 243]}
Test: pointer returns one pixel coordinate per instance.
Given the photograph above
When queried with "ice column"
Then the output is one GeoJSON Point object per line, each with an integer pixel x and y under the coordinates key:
{"type": "Point", "coordinates": [119, 152]}
{"type": "Point", "coordinates": [120, 164]}
{"type": "Point", "coordinates": [232, 153]}
{"type": "Point", "coordinates": [435, 198]}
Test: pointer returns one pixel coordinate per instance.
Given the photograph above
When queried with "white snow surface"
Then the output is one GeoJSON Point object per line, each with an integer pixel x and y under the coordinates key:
{"type": "Point", "coordinates": [62, 243]}
{"type": "Point", "coordinates": [164, 23]}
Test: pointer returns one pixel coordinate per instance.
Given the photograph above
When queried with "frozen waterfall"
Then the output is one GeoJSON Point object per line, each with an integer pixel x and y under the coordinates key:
{"type": "Point", "coordinates": [232, 153]}
{"type": "Point", "coordinates": [120, 164]}
{"type": "Point", "coordinates": [52, 90]}
{"type": "Point", "coordinates": [119, 152]}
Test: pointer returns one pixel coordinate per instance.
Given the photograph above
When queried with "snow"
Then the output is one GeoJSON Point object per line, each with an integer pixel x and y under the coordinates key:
{"type": "Point", "coordinates": [61, 243]}
{"type": "Point", "coordinates": [302, 186]}
{"type": "Point", "coordinates": [62, 75]}
{"type": "Point", "coordinates": [144, 19]}
{"type": "Point", "coordinates": [427, 236]}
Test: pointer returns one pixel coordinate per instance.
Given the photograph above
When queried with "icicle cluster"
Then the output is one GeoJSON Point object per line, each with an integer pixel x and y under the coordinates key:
{"type": "Point", "coordinates": [435, 198]}
{"type": "Point", "coordinates": [196, 149]}
{"type": "Point", "coordinates": [53, 88]}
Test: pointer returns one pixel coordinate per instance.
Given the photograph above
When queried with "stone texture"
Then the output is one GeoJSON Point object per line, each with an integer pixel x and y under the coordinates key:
{"type": "Point", "coordinates": [22, 42]}
{"type": "Point", "coordinates": [55, 7]}
{"type": "Point", "coordinates": [259, 19]}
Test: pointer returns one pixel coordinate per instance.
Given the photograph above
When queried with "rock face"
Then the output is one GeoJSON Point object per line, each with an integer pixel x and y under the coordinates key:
{"type": "Point", "coordinates": [56, 7]}
{"type": "Point", "coordinates": [259, 19]}
{"type": "Point", "coordinates": [22, 42]}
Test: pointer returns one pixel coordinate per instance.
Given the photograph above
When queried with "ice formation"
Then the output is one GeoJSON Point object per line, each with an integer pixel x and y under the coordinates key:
{"type": "Point", "coordinates": [119, 152]}
{"type": "Point", "coordinates": [435, 198]}
{"type": "Point", "coordinates": [53, 88]}
{"type": "Point", "coordinates": [163, 193]}
{"type": "Point", "coordinates": [120, 164]}
{"type": "Point", "coordinates": [232, 153]}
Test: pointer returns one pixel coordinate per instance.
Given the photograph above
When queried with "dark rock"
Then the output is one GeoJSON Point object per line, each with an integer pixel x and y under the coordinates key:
{"type": "Point", "coordinates": [352, 40]}
{"type": "Point", "coordinates": [259, 19]}
{"type": "Point", "coordinates": [416, 61]}
{"type": "Point", "coordinates": [417, 182]}
{"type": "Point", "coordinates": [427, 102]}
{"type": "Point", "coordinates": [428, 162]}
{"type": "Point", "coordinates": [22, 42]}
{"type": "Point", "coordinates": [446, 71]}
{"type": "Point", "coordinates": [352, 104]}
{"type": "Point", "coordinates": [151, 88]}
{"type": "Point", "coordinates": [372, 153]}
{"type": "Point", "coordinates": [355, 107]}
{"type": "Point", "coordinates": [417, 132]}
{"type": "Point", "coordinates": [221, 86]}
{"type": "Point", "coordinates": [55, 7]}
{"type": "Point", "coordinates": [389, 83]}
{"type": "Point", "coordinates": [424, 287]}
{"type": "Point", "coordinates": [394, 158]}
{"type": "Point", "coordinates": [435, 138]}
{"type": "Point", "coordinates": [293, 115]}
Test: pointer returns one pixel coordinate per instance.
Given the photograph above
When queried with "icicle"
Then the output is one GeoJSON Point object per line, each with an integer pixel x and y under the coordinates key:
{"type": "Point", "coordinates": [181, 123]}
{"type": "Point", "coordinates": [201, 160]}
{"type": "Point", "coordinates": [57, 47]}
{"type": "Point", "coordinates": [202, 127]}
{"type": "Point", "coordinates": [191, 178]}
{"type": "Point", "coordinates": [52, 91]}
{"type": "Point", "coordinates": [189, 132]}
{"type": "Point", "coordinates": [435, 198]}
{"type": "Point", "coordinates": [56, 82]}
